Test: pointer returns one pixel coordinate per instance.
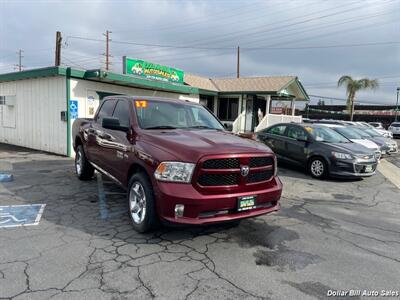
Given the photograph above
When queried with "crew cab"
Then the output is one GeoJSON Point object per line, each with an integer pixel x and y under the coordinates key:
{"type": "Point", "coordinates": [176, 161]}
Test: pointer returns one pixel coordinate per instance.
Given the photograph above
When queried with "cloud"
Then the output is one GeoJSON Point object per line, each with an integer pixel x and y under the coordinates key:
{"type": "Point", "coordinates": [31, 26]}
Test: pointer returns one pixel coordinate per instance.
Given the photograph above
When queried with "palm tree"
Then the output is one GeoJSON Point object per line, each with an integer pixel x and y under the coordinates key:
{"type": "Point", "coordinates": [353, 86]}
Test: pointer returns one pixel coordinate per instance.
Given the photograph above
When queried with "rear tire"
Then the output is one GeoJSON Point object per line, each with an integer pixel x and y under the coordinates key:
{"type": "Point", "coordinates": [318, 168]}
{"type": "Point", "coordinates": [141, 203]}
{"type": "Point", "coordinates": [84, 170]}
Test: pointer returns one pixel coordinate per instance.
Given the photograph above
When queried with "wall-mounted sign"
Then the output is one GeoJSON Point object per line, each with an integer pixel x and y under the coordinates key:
{"type": "Point", "coordinates": [151, 71]}
{"type": "Point", "coordinates": [73, 109]}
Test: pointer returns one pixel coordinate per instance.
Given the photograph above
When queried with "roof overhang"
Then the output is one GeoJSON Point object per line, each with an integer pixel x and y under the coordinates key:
{"type": "Point", "coordinates": [100, 76]}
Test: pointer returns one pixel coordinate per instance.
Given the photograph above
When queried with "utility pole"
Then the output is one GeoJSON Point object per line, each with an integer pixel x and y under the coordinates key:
{"type": "Point", "coordinates": [107, 54]}
{"type": "Point", "coordinates": [397, 104]}
{"type": "Point", "coordinates": [238, 63]}
{"type": "Point", "coordinates": [19, 65]}
{"type": "Point", "coordinates": [58, 49]}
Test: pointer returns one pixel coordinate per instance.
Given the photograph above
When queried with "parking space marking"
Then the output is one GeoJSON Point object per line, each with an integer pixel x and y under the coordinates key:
{"type": "Point", "coordinates": [21, 215]}
{"type": "Point", "coordinates": [102, 197]}
{"type": "Point", "coordinates": [390, 171]}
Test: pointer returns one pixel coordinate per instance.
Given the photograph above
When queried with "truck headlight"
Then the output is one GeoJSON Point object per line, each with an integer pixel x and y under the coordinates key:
{"type": "Point", "coordinates": [173, 171]}
{"type": "Point", "coordinates": [340, 155]}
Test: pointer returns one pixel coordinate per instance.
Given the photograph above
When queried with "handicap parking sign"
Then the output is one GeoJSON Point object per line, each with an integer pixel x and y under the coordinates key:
{"type": "Point", "coordinates": [73, 109]}
{"type": "Point", "coordinates": [20, 215]}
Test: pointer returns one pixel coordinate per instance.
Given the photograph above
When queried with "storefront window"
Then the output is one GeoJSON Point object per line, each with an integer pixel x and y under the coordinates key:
{"type": "Point", "coordinates": [207, 101]}
{"type": "Point", "coordinates": [228, 109]}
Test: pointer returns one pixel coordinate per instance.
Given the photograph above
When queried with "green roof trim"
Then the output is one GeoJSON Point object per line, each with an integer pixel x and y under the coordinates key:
{"type": "Point", "coordinates": [299, 85]}
{"type": "Point", "coordinates": [100, 76]}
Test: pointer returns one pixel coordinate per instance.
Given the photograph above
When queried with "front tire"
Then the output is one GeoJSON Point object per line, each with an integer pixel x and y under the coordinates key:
{"type": "Point", "coordinates": [317, 167]}
{"type": "Point", "coordinates": [83, 168]}
{"type": "Point", "coordinates": [141, 203]}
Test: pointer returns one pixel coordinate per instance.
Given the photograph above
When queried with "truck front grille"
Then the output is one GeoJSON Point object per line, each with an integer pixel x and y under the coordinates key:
{"type": "Point", "coordinates": [261, 161]}
{"type": "Point", "coordinates": [259, 176]}
{"type": "Point", "coordinates": [227, 171]}
{"type": "Point", "coordinates": [218, 179]}
{"type": "Point", "coordinates": [225, 163]}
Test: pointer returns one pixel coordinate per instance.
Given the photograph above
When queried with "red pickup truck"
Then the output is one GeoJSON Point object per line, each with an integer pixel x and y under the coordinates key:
{"type": "Point", "coordinates": [176, 161]}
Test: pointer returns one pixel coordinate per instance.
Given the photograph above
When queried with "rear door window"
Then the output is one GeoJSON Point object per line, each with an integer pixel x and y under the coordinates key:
{"type": "Point", "coordinates": [295, 132]}
{"type": "Point", "coordinates": [106, 110]}
{"type": "Point", "coordinates": [277, 130]}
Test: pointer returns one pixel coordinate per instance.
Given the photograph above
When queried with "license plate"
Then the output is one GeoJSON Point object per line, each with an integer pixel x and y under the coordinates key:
{"type": "Point", "coordinates": [246, 203]}
{"type": "Point", "coordinates": [368, 168]}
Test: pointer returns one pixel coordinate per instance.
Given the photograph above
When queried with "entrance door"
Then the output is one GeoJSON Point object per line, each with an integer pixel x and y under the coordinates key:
{"type": "Point", "coordinates": [249, 115]}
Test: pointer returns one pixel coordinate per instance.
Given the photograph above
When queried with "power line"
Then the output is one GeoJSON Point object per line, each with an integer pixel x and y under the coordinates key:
{"type": "Point", "coordinates": [253, 30]}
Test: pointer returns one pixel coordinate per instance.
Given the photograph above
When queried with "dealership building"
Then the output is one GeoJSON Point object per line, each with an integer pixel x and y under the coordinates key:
{"type": "Point", "coordinates": [38, 106]}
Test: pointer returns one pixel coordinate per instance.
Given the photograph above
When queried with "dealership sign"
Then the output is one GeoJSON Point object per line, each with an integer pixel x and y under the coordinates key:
{"type": "Point", "coordinates": [151, 71]}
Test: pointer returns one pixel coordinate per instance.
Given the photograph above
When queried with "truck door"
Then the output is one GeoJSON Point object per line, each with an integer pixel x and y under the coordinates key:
{"type": "Point", "coordinates": [97, 135]}
{"type": "Point", "coordinates": [120, 148]}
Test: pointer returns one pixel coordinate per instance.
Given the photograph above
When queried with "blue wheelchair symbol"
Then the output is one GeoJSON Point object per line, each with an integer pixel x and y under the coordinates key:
{"type": "Point", "coordinates": [20, 215]}
{"type": "Point", "coordinates": [73, 109]}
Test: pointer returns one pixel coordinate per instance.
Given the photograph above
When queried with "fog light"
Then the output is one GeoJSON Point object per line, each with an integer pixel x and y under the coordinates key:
{"type": "Point", "coordinates": [179, 209]}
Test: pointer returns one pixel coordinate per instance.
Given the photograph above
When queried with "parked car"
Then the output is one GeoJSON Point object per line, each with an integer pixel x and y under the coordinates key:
{"type": "Point", "coordinates": [382, 131]}
{"type": "Point", "coordinates": [377, 125]}
{"type": "Point", "coordinates": [387, 145]}
{"type": "Point", "coordinates": [176, 162]}
{"type": "Point", "coordinates": [394, 128]}
{"type": "Point", "coordinates": [321, 150]}
{"type": "Point", "coordinates": [355, 137]}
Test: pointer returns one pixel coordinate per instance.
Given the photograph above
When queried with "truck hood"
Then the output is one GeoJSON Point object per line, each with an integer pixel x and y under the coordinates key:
{"type": "Point", "coordinates": [191, 145]}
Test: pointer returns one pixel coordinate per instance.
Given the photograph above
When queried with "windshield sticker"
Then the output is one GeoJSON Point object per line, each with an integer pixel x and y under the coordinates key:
{"type": "Point", "coordinates": [141, 103]}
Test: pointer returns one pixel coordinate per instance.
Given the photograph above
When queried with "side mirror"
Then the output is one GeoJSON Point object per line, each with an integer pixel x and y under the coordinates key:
{"type": "Point", "coordinates": [113, 124]}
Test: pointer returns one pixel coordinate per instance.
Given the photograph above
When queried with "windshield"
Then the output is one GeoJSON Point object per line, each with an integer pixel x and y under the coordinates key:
{"type": "Point", "coordinates": [395, 125]}
{"type": "Point", "coordinates": [372, 132]}
{"type": "Point", "coordinates": [153, 114]}
{"type": "Point", "coordinates": [363, 132]}
{"type": "Point", "coordinates": [327, 135]}
{"type": "Point", "coordinates": [348, 133]}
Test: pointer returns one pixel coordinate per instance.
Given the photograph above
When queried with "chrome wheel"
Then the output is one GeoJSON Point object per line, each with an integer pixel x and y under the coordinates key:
{"type": "Point", "coordinates": [317, 168]}
{"type": "Point", "coordinates": [79, 163]}
{"type": "Point", "coordinates": [137, 203]}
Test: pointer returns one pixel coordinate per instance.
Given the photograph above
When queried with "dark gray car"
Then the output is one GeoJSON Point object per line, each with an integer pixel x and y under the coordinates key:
{"type": "Point", "coordinates": [321, 150]}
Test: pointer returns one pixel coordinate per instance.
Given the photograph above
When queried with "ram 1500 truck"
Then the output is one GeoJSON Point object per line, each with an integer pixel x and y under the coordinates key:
{"type": "Point", "coordinates": [176, 161]}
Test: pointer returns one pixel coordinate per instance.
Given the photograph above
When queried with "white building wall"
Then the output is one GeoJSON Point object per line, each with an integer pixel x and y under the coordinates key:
{"type": "Point", "coordinates": [37, 109]}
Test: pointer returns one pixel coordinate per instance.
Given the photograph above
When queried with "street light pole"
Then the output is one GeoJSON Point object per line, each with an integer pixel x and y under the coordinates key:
{"type": "Point", "coordinates": [397, 104]}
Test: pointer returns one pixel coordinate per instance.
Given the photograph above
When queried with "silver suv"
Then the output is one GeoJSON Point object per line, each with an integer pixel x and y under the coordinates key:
{"type": "Point", "coordinates": [394, 128]}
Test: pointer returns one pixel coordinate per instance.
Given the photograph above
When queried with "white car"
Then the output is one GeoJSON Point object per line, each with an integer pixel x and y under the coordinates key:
{"type": "Point", "coordinates": [377, 125]}
{"type": "Point", "coordinates": [355, 137]}
{"type": "Point", "coordinates": [382, 131]}
{"type": "Point", "coordinates": [394, 128]}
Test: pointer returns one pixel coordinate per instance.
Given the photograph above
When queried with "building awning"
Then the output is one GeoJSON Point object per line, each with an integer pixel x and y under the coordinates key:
{"type": "Point", "coordinates": [284, 86]}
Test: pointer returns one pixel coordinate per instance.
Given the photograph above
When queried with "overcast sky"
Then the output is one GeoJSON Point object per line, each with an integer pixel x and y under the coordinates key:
{"type": "Point", "coordinates": [318, 41]}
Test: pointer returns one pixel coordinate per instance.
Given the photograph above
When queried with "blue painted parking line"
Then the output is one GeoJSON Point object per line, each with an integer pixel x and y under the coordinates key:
{"type": "Point", "coordinates": [6, 177]}
{"type": "Point", "coordinates": [21, 215]}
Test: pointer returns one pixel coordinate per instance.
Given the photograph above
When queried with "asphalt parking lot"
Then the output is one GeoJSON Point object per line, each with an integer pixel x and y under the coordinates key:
{"type": "Point", "coordinates": [329, 235]}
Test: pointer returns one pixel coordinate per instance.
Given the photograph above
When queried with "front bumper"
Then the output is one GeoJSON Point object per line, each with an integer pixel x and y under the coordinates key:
{"type": "Point", "coordinates": [352, 168]}
{"type": "Point", "coordinates": [213, 208]}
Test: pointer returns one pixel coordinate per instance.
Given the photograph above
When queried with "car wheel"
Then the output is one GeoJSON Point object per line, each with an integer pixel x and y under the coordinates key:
{"type": "Point", "coordinates": [141, 203]}
{"type": "Point", "coordinates": [83, 168]}
{"type": "Point", "coordinates": [317, 167]}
